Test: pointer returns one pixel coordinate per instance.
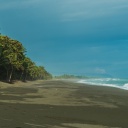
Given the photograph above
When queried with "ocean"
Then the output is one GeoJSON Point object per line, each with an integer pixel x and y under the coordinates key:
{"type": "Point", "coordinates": [111, 82]}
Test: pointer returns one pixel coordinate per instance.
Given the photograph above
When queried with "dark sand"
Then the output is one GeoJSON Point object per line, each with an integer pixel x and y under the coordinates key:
{"type": "Point", "coordinates": [61, 104]}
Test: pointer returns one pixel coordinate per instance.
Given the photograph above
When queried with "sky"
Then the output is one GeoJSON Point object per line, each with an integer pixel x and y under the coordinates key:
{"type": "Point", "coordinates": [80, 37]}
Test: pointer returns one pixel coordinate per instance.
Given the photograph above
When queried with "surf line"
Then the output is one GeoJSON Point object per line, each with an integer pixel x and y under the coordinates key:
{"type": "Point", "coordinates": [34, 125]}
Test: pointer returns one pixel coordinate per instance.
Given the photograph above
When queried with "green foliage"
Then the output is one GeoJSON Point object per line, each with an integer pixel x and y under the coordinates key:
{"type": "Point", "coordinates": [14, 65]}
{"type": "Point", "coordinates": [66, 76]}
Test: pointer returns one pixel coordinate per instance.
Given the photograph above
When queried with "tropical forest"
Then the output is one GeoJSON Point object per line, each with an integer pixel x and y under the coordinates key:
{"type": "Point", "coordinates": [15, 65]}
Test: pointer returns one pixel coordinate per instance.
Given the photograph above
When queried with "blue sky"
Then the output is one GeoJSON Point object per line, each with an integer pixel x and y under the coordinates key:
{"type": "Point", "coordinates": [83, 37]}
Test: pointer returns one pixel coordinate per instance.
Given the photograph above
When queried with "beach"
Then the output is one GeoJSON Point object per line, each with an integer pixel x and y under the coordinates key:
{"type": "Point", "coordinates": [62, 104]}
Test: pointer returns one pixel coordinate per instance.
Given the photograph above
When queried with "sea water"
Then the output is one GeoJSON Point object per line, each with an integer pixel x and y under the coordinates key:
{"type": "Point", "coordinates": [111, 82]}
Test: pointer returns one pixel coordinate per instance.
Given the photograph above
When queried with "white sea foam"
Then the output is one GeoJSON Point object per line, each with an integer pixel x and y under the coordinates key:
{"type": "Point", "coordinates": [125, 86]}
{"type": "Point", "coordinates": [111, 82]}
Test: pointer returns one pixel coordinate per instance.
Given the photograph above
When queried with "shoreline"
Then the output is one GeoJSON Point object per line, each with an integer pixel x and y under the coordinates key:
{"type": "Point", "coordinates": [98, 85]}
{"type": "Point", "coordinates": [60, 104]}
{"type": "Point", "coordinates": [75, 81]}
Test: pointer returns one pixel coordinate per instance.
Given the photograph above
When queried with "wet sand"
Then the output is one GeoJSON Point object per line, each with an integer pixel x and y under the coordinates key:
{"type": "Point", "coordinates": [62, 104]}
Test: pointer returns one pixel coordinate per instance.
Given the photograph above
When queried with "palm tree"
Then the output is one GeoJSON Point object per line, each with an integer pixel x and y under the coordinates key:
{"type": "Point", "coordinates": [12, 52]}
{"type": "Point", "coordinates": [15, 62]}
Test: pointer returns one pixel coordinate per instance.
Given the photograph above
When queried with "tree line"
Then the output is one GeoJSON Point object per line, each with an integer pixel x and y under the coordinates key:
{"type": "Point", "coordinates": [15, 65]}
{"type": "Point", "coordinates": [67, 76]}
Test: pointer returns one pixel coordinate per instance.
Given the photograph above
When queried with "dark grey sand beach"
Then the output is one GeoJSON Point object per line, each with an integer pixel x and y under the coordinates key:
{"type": "Point", "coordinates": [62, 104]}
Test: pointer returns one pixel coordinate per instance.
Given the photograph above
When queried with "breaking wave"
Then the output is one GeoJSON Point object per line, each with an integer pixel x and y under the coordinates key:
{"type": "Point", "coordinates": [111, 82]}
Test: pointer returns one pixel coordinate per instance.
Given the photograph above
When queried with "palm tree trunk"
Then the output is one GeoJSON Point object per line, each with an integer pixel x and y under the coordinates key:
{"type": "Point", "coordinates": [24, 76]}
{"type": "Point", "coordinates": [9, 76]}
{"type": "Point", "coordinates": [21, 75]}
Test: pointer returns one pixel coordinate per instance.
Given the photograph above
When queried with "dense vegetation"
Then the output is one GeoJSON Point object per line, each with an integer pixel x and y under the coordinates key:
{"type": "Point", "coordinates": [66, 76]}
{"type": "Point", "coordinates": [15, 65]}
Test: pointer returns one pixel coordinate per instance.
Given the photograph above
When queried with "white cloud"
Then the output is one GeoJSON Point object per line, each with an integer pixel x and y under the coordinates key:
{"type": "Point", "coordinates": [70, 10]}
{"type": "Point", "coordinates": [11, 4]}
{"type": "Point", "coordinates": [84, 9]}
{"type": "Point", "coordinates": [100, 70]}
